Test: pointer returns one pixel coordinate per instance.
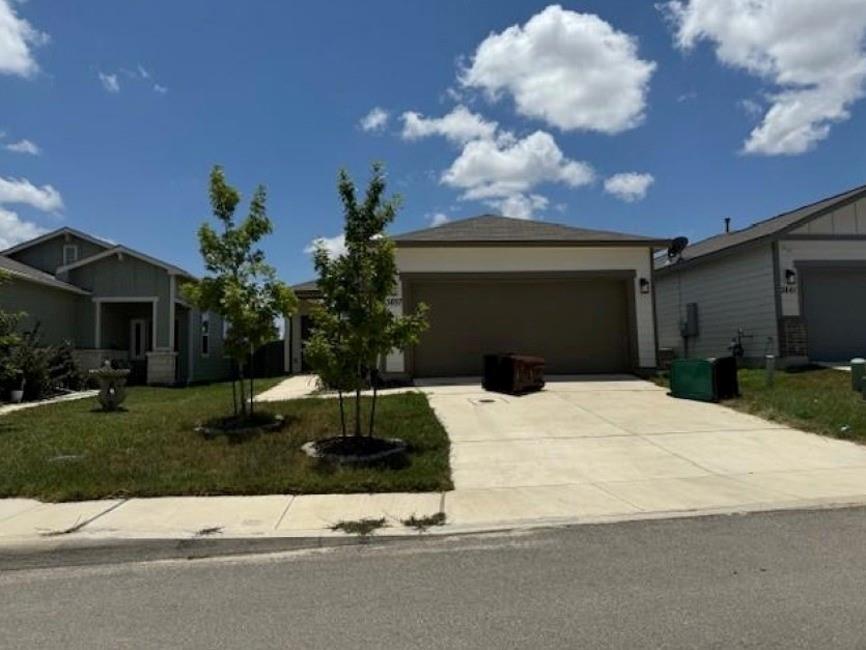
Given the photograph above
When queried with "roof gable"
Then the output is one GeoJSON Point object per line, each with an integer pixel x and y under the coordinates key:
{"type": "Point", "coordinates": [487, 230]}
{"type": "Point", "coordinates": [171, 269]}
{"type": "Point", "coordinates": [60, 232]}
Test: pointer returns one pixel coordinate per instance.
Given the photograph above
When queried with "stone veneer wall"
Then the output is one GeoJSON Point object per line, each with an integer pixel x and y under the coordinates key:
{"type": "Point", "coordinates": [93, 358]}
{"type": "Point", "coordinates": [161, 367]}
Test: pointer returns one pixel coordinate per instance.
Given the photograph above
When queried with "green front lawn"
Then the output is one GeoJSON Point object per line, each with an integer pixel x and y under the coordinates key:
{"type": "Point", "coordinates": [68, 451]}
{"type": "Point", "coordinates": [819, 400]}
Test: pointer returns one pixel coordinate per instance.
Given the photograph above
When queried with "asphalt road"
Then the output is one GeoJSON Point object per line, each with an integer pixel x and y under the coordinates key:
{"type": "Point", "coordinates": [786, 580]}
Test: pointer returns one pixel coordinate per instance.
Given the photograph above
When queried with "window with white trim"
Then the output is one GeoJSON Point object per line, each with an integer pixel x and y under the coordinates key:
{"type": "Point", "coordinates": [70, 254]}
{"type": "Point", "coordinates": [205, 334]}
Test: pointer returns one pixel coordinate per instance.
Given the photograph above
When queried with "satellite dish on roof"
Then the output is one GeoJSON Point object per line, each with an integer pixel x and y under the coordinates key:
{"type": "Point", "coordinates": [678, 245]}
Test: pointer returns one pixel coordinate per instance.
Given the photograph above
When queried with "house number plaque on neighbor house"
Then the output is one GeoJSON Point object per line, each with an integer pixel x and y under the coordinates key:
{"type": "Point", "coordinates": [394, 301]}
{"type": "Point", "coordinates": [788, 288]}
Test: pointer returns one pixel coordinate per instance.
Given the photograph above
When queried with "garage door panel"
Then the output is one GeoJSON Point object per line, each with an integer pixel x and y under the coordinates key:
{"type": "Point", "coordinates": [834, 308]}
{"type": "Point", "coordinates": [576, 325]}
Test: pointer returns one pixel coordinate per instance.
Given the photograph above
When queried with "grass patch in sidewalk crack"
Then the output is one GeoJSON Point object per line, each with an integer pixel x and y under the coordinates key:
{"type": "Point", "coordinates": [363, 528]}
{"type": "Point", "coordinates": [422, 524]}
{"type": "Point", "coordinates": [210, 530]}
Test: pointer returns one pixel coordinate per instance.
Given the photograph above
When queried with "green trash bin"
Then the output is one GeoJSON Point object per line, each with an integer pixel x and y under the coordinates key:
{"type": "Point", "coordinates": [693, 379]}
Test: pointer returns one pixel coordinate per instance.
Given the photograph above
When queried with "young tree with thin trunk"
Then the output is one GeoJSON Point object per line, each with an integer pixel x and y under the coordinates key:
{"type": "Point", "coordinates": [354, 328]}
{"type": "Point", "coordinates": [240, 285]}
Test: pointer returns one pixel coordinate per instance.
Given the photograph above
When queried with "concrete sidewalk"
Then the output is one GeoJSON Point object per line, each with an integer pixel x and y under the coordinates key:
{"type": "Point", "coordinates": [11, 408]}
{"type": "Point", "coordinates": [290, 388]}
{"type": "Point", "coordinates": [25, 522]}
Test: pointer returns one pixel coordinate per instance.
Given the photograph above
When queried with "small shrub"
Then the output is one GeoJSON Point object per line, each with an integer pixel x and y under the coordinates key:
{"type": "Point", "coordinates": [65, 373]}
{"type": "Point", "coordinates": [421, 524]}
{"type": "Point", "coordinates": [34, 363]}
{"type": "Point", "coordinates": [363, 528]}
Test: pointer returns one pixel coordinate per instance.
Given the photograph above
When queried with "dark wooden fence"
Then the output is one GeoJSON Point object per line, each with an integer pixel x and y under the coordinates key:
{"type": "Point", "coordinates": [268, 360]}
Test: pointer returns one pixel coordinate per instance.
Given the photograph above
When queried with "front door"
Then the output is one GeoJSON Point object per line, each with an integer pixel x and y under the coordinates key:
{"type": "Point", "coordinates": [139, 338]}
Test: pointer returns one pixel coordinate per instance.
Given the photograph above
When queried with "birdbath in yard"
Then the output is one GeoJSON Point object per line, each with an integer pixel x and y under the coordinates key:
{"type": "Point", "coordinates": [112, 385]}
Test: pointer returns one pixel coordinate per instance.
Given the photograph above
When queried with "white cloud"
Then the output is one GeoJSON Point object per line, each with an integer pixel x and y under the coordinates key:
{"type": "Point", "coordinates": [814, 53]}
{"type": "Point", "coordinates": [17, 38]}
{"type": "Point", "coordinates": [497, 169]}
{"type": "Point", "coordinates": [460, 125]}
{"type": "Point", "coordinates": [753, 108]}
{"type": "Point", "coordinates": [629, 186]}
{"type": "Point", "coordinates": [375, 120]}
{"type": "Point", "coordinates": [137, 75]}
{"type": "Point", "coordinates": [503, 172]}
{"type": "Point", "coordinates": [519, 206]}
{"type": "Point", "coordinates": [13, 230]}
{"type": "Point", "coordinates": [24, 146]}
{"type": "Point", "coordinates": [572, 70]}
{"type": "Point", "coordinates": [22, 191]}
{"type": "Point", "coordinates": [439, 219]}
{"type": "Point", "coordinates": [335, 246]}
{"type": "Point", "coordinates": [109, 82]}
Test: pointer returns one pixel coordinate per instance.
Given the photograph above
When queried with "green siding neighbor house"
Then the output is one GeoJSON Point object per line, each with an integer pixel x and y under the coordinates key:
{"type": "Point", "coordinates": [112, 302]}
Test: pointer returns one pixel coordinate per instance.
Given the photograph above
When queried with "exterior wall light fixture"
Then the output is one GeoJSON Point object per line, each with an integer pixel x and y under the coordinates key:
{"type": "Point", "coordinates": [644, 285]}
{"type": "Point", "coordinates": [790, 277]}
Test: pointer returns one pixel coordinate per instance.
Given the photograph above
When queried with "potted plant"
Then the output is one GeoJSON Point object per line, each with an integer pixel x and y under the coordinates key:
{"type": "Point", "coordinates": [16, 395]}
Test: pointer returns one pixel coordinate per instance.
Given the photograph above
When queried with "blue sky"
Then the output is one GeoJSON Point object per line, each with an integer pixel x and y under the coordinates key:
{"type": "Point", "coordinates": [113, 113]}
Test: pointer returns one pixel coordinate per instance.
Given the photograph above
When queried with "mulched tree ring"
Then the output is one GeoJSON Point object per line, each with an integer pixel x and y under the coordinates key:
{"type": "Point", "coordinates": [239, 426]}
{"type": "Point", "coordinates": [355, 449]}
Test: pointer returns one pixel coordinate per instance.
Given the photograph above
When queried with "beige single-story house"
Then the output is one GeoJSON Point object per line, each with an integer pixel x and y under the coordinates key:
{"type": "Point", "coordinates": [793, 286]}
{"type": "Point", "coordinates": [582, 299]}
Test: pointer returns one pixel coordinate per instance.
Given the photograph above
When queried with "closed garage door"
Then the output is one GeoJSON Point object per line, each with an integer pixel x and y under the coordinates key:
{"type": "Point", "coordinates": [578, 326]}
{"type": "Point", "coordinates": [834, 307]}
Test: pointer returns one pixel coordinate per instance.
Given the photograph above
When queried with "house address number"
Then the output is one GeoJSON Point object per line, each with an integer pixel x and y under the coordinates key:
{"type": "Point", "coordinates": [394, 301]}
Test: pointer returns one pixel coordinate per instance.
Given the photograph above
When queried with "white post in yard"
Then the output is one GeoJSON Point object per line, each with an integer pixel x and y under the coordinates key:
{"type": "Point", "coordinates": [770, 369]}
{"type": "Point", "coordinates": [858, 371]}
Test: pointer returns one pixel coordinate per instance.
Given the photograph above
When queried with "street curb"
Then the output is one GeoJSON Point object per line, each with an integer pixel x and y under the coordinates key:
{"type": "Point", "coordinates": [82, 552]}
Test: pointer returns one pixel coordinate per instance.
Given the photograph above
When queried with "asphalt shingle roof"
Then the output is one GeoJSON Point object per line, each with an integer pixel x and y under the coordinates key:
{"type": "Point", "coordinates": [310, 286]}
{"type": "Point", "coordinates": [17, 269]}
{"type": "Point", "coordinates": [763, 229]}
{"type": "Point", "coordinates": [487, 229]}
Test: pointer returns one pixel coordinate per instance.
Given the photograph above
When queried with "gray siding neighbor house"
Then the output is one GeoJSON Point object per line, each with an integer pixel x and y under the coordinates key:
{"type": "Point", "coordinates": [793, 286]}
{"type": "Point", "coordinates": [112, 302]}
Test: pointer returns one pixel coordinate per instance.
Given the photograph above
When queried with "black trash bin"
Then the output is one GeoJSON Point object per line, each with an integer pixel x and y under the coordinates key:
{"type": "Point", "coordinates": [727, 386]}
{"type": "Point", "coordinates": [514, 374]}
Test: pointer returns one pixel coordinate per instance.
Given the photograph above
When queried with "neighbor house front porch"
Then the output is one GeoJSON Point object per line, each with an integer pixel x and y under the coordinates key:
{"type": "Point", "coordinates": [135, 331]}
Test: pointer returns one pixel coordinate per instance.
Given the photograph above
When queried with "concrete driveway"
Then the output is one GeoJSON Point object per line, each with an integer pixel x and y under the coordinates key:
{"type": "Point", "coordinates": [620, 447]}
